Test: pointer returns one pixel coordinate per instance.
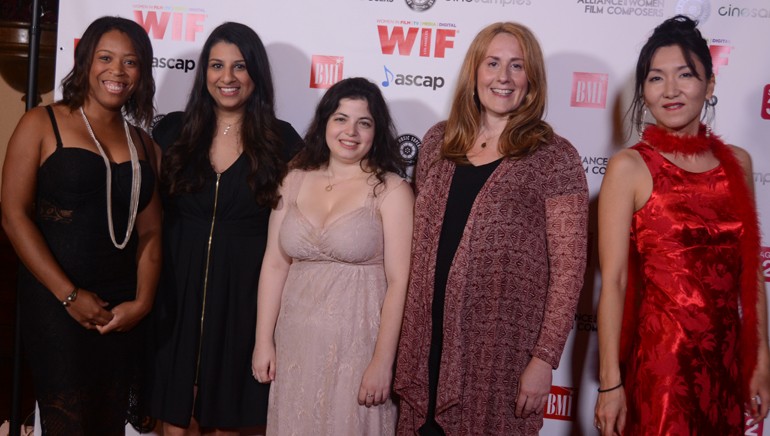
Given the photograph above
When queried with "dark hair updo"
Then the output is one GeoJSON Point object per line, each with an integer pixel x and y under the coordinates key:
{"type": "Point", "coordinates": [681, 31]}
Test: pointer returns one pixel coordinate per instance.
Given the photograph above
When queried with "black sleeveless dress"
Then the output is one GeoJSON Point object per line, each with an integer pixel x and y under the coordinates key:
{"type": "Point", "coordinates": [204, 317]}
{"type": "Point", "coordinates": [82, 378]}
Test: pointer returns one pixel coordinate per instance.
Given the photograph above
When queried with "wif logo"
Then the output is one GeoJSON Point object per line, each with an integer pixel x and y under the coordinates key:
{"type": "Point", "coordinates": [560, 404]}
{"type": "Point", "coordinates": [432, 41]}
{"type": "Point", "coordinates": [719, 56]}
{"type": "Point", "coordinates": [185, 25]}
{"type": "Point", "coordinates": [589, 90]}
{"type": "Point", "coordinates": [766, 103]}
{"type": "Point", "coordinates": [325, 71]}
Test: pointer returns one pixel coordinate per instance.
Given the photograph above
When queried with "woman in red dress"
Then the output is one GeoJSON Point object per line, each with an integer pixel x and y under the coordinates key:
{"type": "Point", "coordinates": [692, 340]}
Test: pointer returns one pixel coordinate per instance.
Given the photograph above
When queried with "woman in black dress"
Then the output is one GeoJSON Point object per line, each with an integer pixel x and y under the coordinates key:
{"type": "Point", "coordinates": [90, 247]}
{"type": "Point", "coordinates": [225, 157]}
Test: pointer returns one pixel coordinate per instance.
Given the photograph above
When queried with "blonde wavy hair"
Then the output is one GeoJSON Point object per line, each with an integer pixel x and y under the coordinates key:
{"type": "Point", "coordinates": [526, 130]}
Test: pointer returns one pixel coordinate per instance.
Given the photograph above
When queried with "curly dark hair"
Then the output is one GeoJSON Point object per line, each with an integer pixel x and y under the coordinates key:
{"type": "Point", "coordinates": [187, 164]}
{"type": "Point", "coordinates": [681, 31]}
{"type": "Point", "coordinates": [139, 106]}
{"type": "Point", "coordinates": [383, 157]}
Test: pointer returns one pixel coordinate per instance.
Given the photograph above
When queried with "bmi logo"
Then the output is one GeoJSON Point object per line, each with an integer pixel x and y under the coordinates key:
{"type": "Point", "coordinates": [719, 56]}
{"type": "Point", "coordinates": [325, 71]}
{"type": "Point", "coordinates": [404, 38]}
{"type": "Point", "coordinates": [560, 404]}
{"type": "Point", "coordinates": [755, 429]}
{"type": "Point", "coordinates": [589, 90]}
{"type": "Point", "coordinates": [183, 24]}
{"type": "Point", "coordinates": [764, 255]}
{"type": "Point", "coordinates": [766, 102]}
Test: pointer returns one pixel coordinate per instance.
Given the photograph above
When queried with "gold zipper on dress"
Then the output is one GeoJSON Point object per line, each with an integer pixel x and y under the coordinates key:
{"type": "Point", "coordinates": [206, 276]}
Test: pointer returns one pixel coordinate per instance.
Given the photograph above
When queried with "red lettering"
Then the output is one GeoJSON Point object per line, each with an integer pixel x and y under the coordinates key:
{"type": "Point", "coordinates": [425, 36]}
{"type": "Point", "coordinates": [405, 40]}
{"type": "Point", "coordinates": [443, 42]}
{"type": "Point", "coordinates": [766, 115]}
{"type": "Point", "coordinates": [153, 27]}
{"type": "Point", "coordinates": [397, 39]}
{"type": "Point", "coordinates": [156, 26]}
{"type": "Point", "coordinates": [719, 56]}
{"type": "Point", "coordinates": [194, 25]}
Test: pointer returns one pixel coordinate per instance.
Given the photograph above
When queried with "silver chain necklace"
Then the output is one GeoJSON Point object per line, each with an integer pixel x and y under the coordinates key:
{"type": "Point", "coordinates": [136, 182]}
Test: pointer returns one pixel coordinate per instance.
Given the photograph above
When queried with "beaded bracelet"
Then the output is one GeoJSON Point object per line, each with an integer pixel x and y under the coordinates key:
{"type": "Point", "coordinates": [601, 391]}
{"type": "Point", "coordinates": [71, 297]}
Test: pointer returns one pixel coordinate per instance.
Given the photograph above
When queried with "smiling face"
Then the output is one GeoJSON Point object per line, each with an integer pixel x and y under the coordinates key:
{"type": "Point", "coordinates": [227, 78]}
{"type": "Point", "coordinates": [673, 93]}
{"type": "Point", "coordinates": [501, 81]}
{"type": "Point", "coordinates": [350, 131]}
{"type": "Point", "coordinates": [114, 72]}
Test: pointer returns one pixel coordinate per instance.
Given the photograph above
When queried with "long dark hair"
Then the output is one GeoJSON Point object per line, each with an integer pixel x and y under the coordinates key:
{"type": "Point", "coordinates": [186, 164]}
{"type": "Point", "coordinates": [384, 156]}
{"type": "Point", "coordinates": [680, 31]}
{"type": "Point", "coordinates": [139, 106]}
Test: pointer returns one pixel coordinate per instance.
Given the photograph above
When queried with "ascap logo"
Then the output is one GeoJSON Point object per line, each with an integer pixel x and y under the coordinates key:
{"type": "Point", "coordinates": [719, 56]}
{"type": "Point", "coordinates": [766, 103]}
{"type": "Point", "coordinates": [186, 23]}
{"type": "Point", "coordinates": [418, 80]}
{"type": "Point", "coordinates": [325, 71]}
{"type": "Point", "coordinates": [764, 257]}
{"type": "Point", "coordinates": [435, 38]}
{"type": "Point", "coordinates": [560, 404]}
{"type": "Point", "coordinates": [589, 90]}
{"type": "Point", "coordinates": [698, 10]}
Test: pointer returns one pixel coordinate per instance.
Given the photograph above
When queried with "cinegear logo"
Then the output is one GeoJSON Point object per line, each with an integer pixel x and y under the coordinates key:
{"type": "Point", "coordinates": [735, 11]}
{"type": "Point", "coordinates": [698, 10]}
{"type": "Point", "coordinates": [764, 255]}
{"type": "Point", "coordinates": [409, 146]}
{"type": "Point", "coordinates": [560, 404]}
{"type": "Point", "coordinates": [766, 103]}
{"type": "Point", "coordinates": [420, 5]}
{"type": "Point", "coordinates": [325, 71]}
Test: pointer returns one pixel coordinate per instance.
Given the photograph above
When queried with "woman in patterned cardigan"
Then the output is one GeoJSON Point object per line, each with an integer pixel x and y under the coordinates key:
{"type": "Point", "coordinates": [498, 252]}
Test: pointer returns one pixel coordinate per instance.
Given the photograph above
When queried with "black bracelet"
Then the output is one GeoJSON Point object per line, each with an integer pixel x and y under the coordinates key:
{"type": "Point", "coordinates": [601, 391]}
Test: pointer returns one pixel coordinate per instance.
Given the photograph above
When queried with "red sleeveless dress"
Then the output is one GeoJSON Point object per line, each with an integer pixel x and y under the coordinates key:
{"type": "Point", "coordinates": [682, 375]}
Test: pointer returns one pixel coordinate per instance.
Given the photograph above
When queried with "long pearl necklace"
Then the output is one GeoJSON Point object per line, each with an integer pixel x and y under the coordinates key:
{"type": "Point", "coordinates": [136, 182]}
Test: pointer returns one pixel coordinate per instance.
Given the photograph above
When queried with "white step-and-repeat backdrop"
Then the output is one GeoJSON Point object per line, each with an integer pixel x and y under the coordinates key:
{"type": "Point", "coordinates": [413, 49]}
